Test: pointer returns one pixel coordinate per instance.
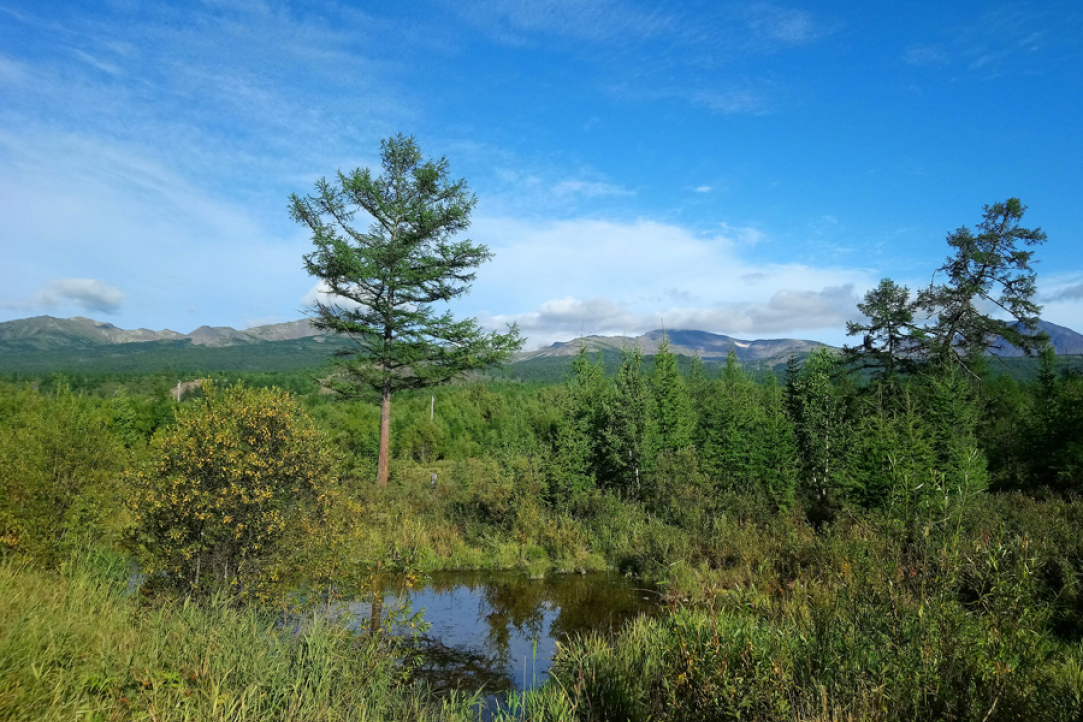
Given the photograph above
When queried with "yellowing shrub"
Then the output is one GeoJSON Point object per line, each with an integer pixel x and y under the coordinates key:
{"type": "Point", "coordinates": [239, 469]}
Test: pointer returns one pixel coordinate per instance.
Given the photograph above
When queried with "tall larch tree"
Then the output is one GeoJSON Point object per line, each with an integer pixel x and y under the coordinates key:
{"type": "Point", "coordinates": [380, 286]}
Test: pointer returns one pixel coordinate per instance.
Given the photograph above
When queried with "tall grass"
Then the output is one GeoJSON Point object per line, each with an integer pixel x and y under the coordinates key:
{"type": "Point", "coordinates": [77, 646]}
{"type": "Point", "coordinates": [871, 619]}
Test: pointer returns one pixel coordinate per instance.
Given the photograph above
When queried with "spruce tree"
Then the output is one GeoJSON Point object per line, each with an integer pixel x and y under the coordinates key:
{"type": "Point", "coordinates": [579, 435]}
{"type": "Point", "coordinates": [778, 449]}
{"type": "Point", "coordinates": [821, 420]}
{"type": "Point", "coordinates": [952, 411]}
{"type": "Point", "coordinates": [730, 438]}
{"type": "Point", "coordinates": [673, 410]}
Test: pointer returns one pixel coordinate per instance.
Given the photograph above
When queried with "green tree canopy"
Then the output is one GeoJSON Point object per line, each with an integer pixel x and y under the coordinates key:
{"type": "Point", "coordinates": [886, 342]}
{"type": "Point", "coordinates": [381, 284]}
{"type": "Point", "coordinates": [988, 268]}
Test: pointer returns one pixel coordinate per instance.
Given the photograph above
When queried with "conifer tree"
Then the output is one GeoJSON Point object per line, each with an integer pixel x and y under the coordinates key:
{"type": "Point", "coordinates": [952, 412]}
{"type": "Point", "coordinates": [729, 436]}
{"type": "Point", "coordinates": [990, 269]}
{"type": "Point", "coordinates": [381, 285]}
{"type": "Point", "coordinates": [576, 461]}
{"type": "Point", "coordinates": [673, 411]}
{"type": "Point", "coordinates": [886, 339]}
{"type": "Point", "coordinates": [820, 418]}
{"type": "Point", "coordinates": [631, 430]}
{"type": "Point", "coordinates": [778, 450]}
{"type": "Point", "coordinates": [890, 458]}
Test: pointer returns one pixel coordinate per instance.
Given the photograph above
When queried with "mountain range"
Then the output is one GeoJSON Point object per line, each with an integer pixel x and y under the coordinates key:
{"type": "Point", "coordinates": [45, 334]}
{"type": "Point", "coordinates": [42, 333]}
{"type": "Point", "coordinates": [706, 345]}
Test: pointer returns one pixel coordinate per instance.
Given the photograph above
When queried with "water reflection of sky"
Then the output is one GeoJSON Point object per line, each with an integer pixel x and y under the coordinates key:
{"type": "Point", "coordinates": [493, 631]}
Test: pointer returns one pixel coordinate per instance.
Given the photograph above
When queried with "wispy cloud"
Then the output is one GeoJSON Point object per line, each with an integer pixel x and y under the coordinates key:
{"type": "Point", "coordinates": [745, 98]}
{"type": "Point", "coordinates": [925, 55]}
{"type": "Point", "coordinates": [88, 294]}
{"type": "Point", "coordinates": [102, 65]}
{"type": "Point", "coordinates": [781, 25]}
{"type": "Point", "coordinates": [589, 189]}
{"type": "Point", "coordinates": [1015, 38]}
{"type": "Point", "coordinates": [519, 21]}
{"type": "Point", "coordinates": [644, 55]}
{"type": "Point", "coordinates": [734, 102]}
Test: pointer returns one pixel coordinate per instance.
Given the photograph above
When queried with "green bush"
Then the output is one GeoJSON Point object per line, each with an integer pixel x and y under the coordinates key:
{"type": "Point", "coordinates": [60, 464]}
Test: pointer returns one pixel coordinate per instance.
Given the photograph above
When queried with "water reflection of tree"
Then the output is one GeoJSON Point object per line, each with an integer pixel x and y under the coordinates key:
{"type": "Point", "coordinates": [517, 602]}
{"type": "Point", "coordinates": [510, 605]}
{"type": "Point", "coordinates": [602, 604]}
{"type": "Point", "coordinates": [445, 669]}
{"type": "Point", "coordinates": [583, 604]}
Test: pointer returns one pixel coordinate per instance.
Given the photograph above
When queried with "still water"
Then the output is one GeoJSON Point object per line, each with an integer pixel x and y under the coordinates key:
{"type": "Point", "coordinates": [497, 631]}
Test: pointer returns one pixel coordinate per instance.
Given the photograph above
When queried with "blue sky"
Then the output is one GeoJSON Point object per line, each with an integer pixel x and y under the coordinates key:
{"type": "Point", "coordinates": [746, 168]}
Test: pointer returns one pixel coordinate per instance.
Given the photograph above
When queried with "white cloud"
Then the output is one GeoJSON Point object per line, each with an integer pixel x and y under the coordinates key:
{"type": "Point", "coordinates": [557, 279]}
{"type": "Point", "coordinates": [321, 293]}
{"type": "Point", "coordinates": [703, 189]}
{"type": "Point", "coordinates": [787, 313]}
{"type": "Point", "coordinates": [89, 294]}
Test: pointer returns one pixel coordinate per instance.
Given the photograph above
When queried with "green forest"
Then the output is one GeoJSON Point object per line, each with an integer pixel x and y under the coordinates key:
{"type": "Point", "coordinates": [830, 546]}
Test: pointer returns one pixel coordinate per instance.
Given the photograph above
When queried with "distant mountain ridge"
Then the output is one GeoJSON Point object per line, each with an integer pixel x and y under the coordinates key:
{"type": "Point", "coordinates": [1065, 341]}
{"type": "Point", "coordinates": [686, 342]}
{"type": "Point", "coordinates": [42, 333]}
{"type": "Point", "coordinates": [45, 333]}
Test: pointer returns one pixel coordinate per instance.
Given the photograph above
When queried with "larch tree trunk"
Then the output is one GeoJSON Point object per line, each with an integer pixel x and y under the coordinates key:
{"type": "Point", "coordinates": [385, 436]}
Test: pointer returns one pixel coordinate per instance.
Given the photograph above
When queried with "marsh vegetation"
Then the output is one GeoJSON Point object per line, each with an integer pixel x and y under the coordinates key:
{"type": "Point", "coordinates": [826, 549]}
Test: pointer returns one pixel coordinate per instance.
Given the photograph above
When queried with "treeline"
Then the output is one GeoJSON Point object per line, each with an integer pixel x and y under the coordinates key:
{"type": "Point", "coordinates": [823, 433]}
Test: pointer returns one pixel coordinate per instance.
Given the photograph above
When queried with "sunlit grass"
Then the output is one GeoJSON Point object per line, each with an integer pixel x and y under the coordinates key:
{"type": "Point", "coordinates": [76, 646]}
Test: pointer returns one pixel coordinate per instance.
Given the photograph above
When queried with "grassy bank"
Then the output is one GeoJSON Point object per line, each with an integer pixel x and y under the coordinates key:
{"type": "Point", "coordinates": [75, 645]}
{"type": "Point", "coordinates": [972, 614]}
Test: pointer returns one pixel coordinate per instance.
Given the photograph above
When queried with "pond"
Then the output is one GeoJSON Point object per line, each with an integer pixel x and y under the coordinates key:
{"type": "Point", "coordinates": [497, 631]}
